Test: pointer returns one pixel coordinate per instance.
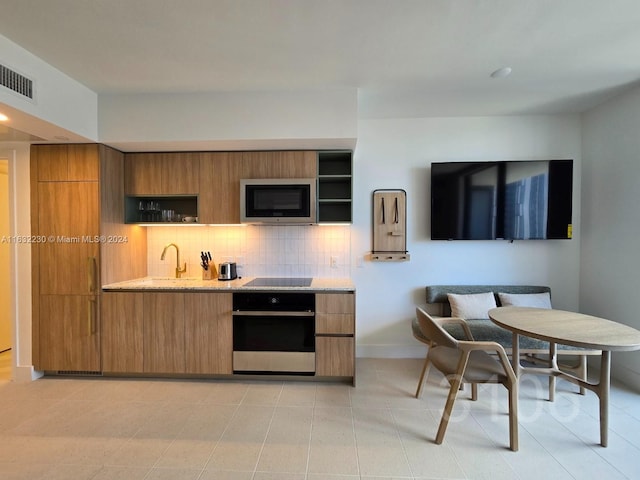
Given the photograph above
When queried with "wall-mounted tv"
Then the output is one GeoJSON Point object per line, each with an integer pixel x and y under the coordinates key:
{"type": "Point", "coordinates": [511, 200]}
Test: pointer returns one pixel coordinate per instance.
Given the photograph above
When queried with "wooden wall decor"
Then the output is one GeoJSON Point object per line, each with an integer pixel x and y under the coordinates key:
{"type": "Point", "coordinates": [389, 226]}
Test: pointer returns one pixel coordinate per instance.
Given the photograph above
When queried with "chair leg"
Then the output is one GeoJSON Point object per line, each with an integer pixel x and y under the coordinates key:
{"type": "Point", "coordinates": [423, 375]}
{"type": "Point", "coordinates": [474, 392]}
{"type": "Point", "coordinates": [451, 398]}
{"type": "Point", "coordinates": [513, 416]}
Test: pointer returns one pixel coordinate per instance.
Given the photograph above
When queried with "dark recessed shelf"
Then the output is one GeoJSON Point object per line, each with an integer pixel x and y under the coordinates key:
{"type": "Point", "coordinates": [335, 186]}
{"type": "Point", "coordinates": [154, 209]}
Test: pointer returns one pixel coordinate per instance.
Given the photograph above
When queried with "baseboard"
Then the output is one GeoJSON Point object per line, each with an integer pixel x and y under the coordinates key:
{"type": "Point", "coordinates": [626, 376]}
{"type": "Point", "coordinates": [26, 373]}
{"type": "Point", "coordinates": [390, 351]}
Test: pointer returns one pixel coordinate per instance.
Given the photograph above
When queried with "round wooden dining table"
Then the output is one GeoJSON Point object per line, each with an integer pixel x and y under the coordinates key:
{"type": "Point", "coordinates": [575, 329]}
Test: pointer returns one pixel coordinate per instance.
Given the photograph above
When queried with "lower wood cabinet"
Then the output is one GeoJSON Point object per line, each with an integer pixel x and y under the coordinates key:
{"type": "Point", "coordinates": [208, 333]}
{"type": "Point", "coordinates": [71, 338]}
{"type": "Point", "coordinates": [163, 325]}
{"type": "Point", "coordinates": [122, 332]}
{"type": "Point", "coordinates": [165, 333]}
{"type": "Point", "coordinates": [192, 333]}
{"type": "Point", "coordinates": [335, 356]}
{"type": "Point", "coordinates": [335, 334]}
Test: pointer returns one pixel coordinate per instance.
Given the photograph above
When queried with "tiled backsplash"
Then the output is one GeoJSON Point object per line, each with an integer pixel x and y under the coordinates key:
{"type": "Point", "coordinates": [288, 251]}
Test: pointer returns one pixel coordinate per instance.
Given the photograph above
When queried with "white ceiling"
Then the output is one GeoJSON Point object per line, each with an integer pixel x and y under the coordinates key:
{"type": "Point", "coordinates": [407, 58]}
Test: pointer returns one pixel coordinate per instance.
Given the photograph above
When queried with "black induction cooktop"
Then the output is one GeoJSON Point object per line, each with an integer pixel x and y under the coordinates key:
{"type": "Point", "coordinates": [279, 282]}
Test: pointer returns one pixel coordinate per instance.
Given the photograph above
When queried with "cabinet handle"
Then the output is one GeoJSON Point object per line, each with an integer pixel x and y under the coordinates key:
{"type": "Point", "coordinates": [91, 315]}
{"type": "Point", "coordinates": [91, 272]}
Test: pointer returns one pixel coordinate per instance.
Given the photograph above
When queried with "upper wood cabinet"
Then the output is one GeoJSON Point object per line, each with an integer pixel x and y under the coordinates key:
{"type": "Point", "coordinates": [66, 163]}
{"type": "Point", "coordinates": [213, 178]}
{"type": "Point", "coordinates": [279, 164]}
{"type": "Point", "coordinates": [219, 199]}
{"type": "Point", "coordinates": [161, 173]}
{"type": "Point", "coordinates": [221, 172]}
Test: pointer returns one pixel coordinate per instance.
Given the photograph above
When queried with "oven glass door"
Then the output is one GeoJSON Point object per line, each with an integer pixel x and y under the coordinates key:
{"type": "Point", "coordinates": [273, 334]}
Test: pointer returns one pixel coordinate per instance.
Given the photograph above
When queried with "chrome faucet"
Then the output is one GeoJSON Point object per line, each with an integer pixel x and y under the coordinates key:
{"type": "Point", "coordinates": [179, 271]}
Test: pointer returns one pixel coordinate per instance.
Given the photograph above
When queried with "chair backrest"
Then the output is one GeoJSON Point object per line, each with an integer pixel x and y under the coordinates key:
{"type": "Point", "coordinates": [434, 331]}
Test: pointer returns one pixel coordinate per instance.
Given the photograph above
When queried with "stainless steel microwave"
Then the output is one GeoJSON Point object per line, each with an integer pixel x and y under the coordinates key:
{"type": "Point", "coordinates": [278, 201]}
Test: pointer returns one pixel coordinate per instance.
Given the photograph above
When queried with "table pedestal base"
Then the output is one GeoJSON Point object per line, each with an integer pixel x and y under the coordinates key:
{"type": "Point", "coordinates": [601, 389]}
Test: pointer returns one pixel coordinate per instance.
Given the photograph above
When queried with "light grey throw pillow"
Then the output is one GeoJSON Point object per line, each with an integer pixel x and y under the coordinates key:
{"type": "Point", "coordinates": [536, 300]}
{"type": "Point", "coordinates": [476, 305]}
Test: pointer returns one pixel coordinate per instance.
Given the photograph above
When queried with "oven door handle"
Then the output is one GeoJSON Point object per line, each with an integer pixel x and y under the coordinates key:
{"type": "Point", "coordinates": [270, 313]}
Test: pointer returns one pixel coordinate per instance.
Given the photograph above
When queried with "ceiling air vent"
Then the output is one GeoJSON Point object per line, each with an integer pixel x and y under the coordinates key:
{"type": "Point", "coordinates": [16, 82]}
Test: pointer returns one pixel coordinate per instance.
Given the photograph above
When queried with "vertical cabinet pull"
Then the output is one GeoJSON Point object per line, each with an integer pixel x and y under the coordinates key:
{"type": "Point", "coordinates": [91, 316]}
{"type": "Point", "coordinates": [91, 274]}
{"type": "Point", "coordinates": [91, 284]}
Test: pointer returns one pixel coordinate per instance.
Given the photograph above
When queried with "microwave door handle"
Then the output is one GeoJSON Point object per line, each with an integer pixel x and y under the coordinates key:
{"type": "Point", "coordinates": [382, 206]}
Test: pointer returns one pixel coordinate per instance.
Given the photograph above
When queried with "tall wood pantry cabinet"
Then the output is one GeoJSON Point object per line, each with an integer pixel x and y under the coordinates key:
{"type": "Point", "coordinates": [79, 243]}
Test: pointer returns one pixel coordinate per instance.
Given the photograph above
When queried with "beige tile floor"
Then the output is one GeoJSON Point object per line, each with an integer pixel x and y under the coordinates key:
{"type": "Point", "coordinates": [150, 429]}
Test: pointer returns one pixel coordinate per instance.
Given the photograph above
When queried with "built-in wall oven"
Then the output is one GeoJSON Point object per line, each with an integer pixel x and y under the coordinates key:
{"type": "Point", "coordinates": [274, 332]}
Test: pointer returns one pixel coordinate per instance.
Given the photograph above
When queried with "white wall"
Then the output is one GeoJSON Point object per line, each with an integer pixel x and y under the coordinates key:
{"type": "Point", "coordinates": [397, 153]}
{"type": "Point", "coordinates": [611, 220]}
{"type": "Point", "coordinates": [58, 99]}
{"type": "Point", "coordinates": [230, 121]}
{"type": "Point", "coordinates": [20, 226]}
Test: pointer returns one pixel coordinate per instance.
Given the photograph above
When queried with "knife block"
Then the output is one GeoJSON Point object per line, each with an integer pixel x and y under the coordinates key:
{"type": "Point", "coordinates": [207, 274]}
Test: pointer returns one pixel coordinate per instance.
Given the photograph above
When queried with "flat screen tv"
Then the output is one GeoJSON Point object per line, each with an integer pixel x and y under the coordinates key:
{"type": "Point", "coordinates": [511, 200]}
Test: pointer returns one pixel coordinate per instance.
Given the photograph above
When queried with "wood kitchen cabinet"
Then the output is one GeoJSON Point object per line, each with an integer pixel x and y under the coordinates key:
{"type": "Point", "coordinates": [69, 337]}
{"type": "Point", "coordinates": [76, 195]}
{"type": "Point", "coordinates": [122, 332]}
{"type": "Point", "coordinates": [335, 334]}
{"type": "Point", "coordinates": [208, 333]}
{"type": "Point", "coordinates": [187, 333]}
{"type": "Point", "coordinates": [209, 180]}
{"type": "Point", "coordinates": [65, 211]}
{"type": "Point", "coordinates": [221, 172]}
{"type": "Point", "coordinates": [279, 164]}
{"type": "Point", "coordinates": [158, 174]}
{"type": "Point", "coordinates": [167, 332]}
{"type": "Point", "coordinates": [164, 332]}
{"type": "Point", "coordinates": [219, 199]}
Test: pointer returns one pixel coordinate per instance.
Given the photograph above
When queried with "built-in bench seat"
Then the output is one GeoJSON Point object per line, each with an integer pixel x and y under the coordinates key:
{"type": "Point", "coordinates": [485, 330]}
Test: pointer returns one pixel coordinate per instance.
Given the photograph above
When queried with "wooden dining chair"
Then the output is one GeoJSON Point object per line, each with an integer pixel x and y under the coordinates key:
{"type": "Point", "coordinates": [468, 361]}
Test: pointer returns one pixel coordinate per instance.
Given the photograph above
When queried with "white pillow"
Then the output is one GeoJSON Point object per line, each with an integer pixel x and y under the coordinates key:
{"type": "Point", "coordinates": [475, 305]}
{"type": "Point", "coordinates": [537, 300]}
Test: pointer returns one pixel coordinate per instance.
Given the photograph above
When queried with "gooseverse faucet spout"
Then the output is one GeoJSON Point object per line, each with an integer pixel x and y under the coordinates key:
{"type": "Point", "coordinates": [179, 271]}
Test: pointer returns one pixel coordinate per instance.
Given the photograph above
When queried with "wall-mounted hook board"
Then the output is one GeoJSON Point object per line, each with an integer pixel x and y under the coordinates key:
{"type": "Point", "coordinates": [389, 226]}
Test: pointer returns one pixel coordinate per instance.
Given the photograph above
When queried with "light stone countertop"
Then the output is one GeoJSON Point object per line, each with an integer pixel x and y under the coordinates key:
{"type": "Point", "coordinates": [237, 285]}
